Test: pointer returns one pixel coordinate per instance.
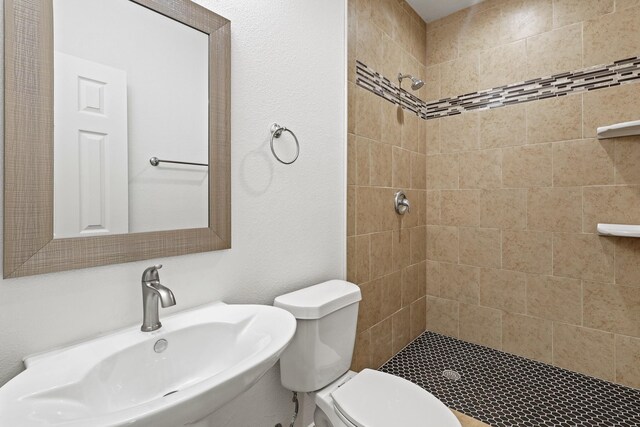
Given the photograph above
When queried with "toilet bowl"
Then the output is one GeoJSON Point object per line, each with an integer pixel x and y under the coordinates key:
{"type": "Point", "coordinates": [318, 358]}
{"type": "Point", "coordinates": [376, 399]}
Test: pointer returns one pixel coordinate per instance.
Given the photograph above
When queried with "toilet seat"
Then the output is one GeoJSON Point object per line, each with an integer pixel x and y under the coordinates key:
{"type": "Point", "coordinates": [377, 399]}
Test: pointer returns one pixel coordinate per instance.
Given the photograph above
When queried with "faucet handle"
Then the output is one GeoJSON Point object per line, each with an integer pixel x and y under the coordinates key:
{"type": "Point", "coordinates": [151, 273]}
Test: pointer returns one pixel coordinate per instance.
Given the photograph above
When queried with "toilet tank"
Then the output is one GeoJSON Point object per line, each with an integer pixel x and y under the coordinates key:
{"type": "Point", "coordinates": [322, 347]}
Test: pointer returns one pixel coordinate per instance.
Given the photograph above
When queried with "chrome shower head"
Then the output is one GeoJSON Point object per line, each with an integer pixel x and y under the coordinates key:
{"type": "Point", "coordinates": [416, 83]}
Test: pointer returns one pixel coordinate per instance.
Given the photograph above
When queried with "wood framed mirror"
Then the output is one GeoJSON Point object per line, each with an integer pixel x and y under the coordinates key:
{"type": "Point", "coordinates": [31, 245]}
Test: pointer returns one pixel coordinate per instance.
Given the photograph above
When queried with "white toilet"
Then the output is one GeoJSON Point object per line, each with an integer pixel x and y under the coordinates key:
{"type": "Point", "coordinates": [318, 359]}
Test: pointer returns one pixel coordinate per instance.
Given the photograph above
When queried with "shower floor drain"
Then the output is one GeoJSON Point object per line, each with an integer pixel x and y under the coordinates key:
{"type": "Point", "coordinates": [451, 375]}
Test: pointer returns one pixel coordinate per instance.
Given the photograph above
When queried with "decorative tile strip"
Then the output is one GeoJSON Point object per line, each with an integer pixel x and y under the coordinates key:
{"type": "Point", "coordinates": [593, 78]}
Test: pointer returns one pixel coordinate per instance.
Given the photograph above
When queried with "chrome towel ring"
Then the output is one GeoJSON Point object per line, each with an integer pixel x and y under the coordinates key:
{"type": "Point", "coordinates": [276, 132]}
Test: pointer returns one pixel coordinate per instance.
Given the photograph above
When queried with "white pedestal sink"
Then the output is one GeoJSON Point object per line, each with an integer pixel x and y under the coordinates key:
{"type": "Point", "coordinates": [213, 354]}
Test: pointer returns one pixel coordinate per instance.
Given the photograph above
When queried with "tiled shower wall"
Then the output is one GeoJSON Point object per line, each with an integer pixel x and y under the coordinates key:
{"type": "Point", "coordinates": [514, 194]}
{"type": "Point", "coordinates": [386, 151]}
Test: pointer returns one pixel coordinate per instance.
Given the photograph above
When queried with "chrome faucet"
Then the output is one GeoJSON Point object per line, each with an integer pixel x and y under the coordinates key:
{"type": "Point", "coordinates": [152, 290]}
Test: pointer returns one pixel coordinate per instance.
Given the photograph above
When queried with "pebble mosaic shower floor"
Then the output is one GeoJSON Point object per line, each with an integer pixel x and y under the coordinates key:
{"type": "Point", "coordinates": [503, 390]}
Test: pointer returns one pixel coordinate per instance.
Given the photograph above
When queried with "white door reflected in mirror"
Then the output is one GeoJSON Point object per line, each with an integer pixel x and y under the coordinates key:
{"type": "Point", "coordinates": [129, 84]}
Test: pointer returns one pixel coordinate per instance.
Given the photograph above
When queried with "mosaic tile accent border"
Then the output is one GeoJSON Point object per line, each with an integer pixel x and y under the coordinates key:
{"type": "Point", "coordinates": [593, 78]}
{"type": "Point", "coordinates": [504, 390]}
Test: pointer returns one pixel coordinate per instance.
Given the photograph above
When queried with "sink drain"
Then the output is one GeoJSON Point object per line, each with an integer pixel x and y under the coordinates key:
{"type": "Point", "coordinates": [171, 392]}
{"type": "Point", "coordinates": [451, 375]}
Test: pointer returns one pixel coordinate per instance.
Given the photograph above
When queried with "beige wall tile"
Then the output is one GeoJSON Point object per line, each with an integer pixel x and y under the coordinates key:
{"type": "Point", "coordinates": [433, 207]}
{"type": "Point", "coordinates": [459, 133]}
{"type": "Point", "coordinates": [611, 37]}
{"type": "Point", "coordinates": [367, 117]}
{"type": "Point", "coordinates": [362, 258]}
{"type": "Point", "coordinates": [432, 83]}
{"type": "Point", "coordinates": [627, 160]}
{"type": "Point", "coordinates": [401, 329]}
{"type": "Point", "coordinates": [627, 262]}
{"type": "Point", "coordinates": [351, 159]}
{"type": "Point", "coordinates": [527, 251]}
{"type": "Point", "coordinates": [418, 244]}
{"type": "Point", "coordinates": [609, 106]}
{"type": "Point", "coordinates": [351, 210]}
{"type": "Point", "coordinates": [503, 65]}
{"type": "Point", "coordinates": [584, 350]}
{"type": "Point", "coordinates": [503, 127]}
{"type": "Point", "coordinates": [459, 282]}
{"type": "Point", "coordinates": [391, 57]}
{"type": "Point", "coordinates": [414, 283]}
{"type": "Point", "coordinates": [481, 31]}
{"type": "Point", "coordinates": [583, 162]}
{"type": "Point", "coordinates": [481, 169]}
{"type": "Point", "coordinates": [442, 44]}
{"type": "Point", "coordinates": [554, 52]}
{"type": "Point", "coordinates": [555, 209]}
{"type": "Point", "coordinates": [480, 247]}
{"type": "Point", "coordinates": [381, 163]}
{"type": "Point", "coordinates": [554, 119]}
{"type": "Point", "coordinates": [362, 351]}
{"type": "Point", "coordinates": [432, 136]}
{"type": "Point", "coordinates": [459, 76]}
{"type": "Point", "coordinates": [422, 128]}
{"type": "Point", "coordinates": [459, 207]}
{"type": "Point", "coordinates": [381, 254]}
{"type": "Point", "coordinates": [567, 12]}
{"type": "Point", "coordinates": [503, 208]}
{"type": "Point", "coordinates": [612, 308]}
{"type": "Point", "coordinates": [370, 309]}
{"type": "Point", "coordinates": [433, 278]}
{"type": "Point", "coordinates": [368, 43]}
{"type": "Point", "coordinates": [391, 121]}
{"type": "Point", "coordinates": [628, 361]}
{"type": "Point", "coordinates": [481, 325]}
{"type": "Point", "coordinates": [555, 298]}
{"type": "Point", "coordinates": [391, 294]}
{"type": "Point", "coordinates": [442, 243]}
{"type": "Point", "coordinates": [583, 256]}
{"type": "Point", "coordinates": [527, 336]}
{"type": "Point", "coordinates": [381, 343]}
{"type": "Point", "coordinates": [527, 166]}
{"type": "Point", "coordinates": [351, 107]}
{"type": "Point", "coordinates": [401, 168]}
{"type": "Point", "coordinates": [442, 316]}
{"type": "Point", "coordinates": [363, 160]}
{"type": "Point", "coordinates": [527, 18]}
{"type": "Point", "coordinates": [401, 248]}
{"type": "Point", "coordinates": [418, 310]}
{"type": "Point", "coordinates": [411, 132]}
{"type": "Point", "coordinates": [351, 259]}
{"type": "Point", "coordinates": [626, 4]}
{"type": "Point", "coordinates": [442, 171]}
{"type": "Point", "coordinates": [351, 40]}
{"type": "Point", "coordinates": [503, 289]}
{"type": "Point", "coordinates": [611, 204]}
{"type": "Point", "coordinates": [418, 171]}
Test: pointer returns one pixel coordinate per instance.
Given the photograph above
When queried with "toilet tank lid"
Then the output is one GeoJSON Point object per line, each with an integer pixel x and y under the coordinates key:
{"type": "Point", "coordinates": [319, 300]}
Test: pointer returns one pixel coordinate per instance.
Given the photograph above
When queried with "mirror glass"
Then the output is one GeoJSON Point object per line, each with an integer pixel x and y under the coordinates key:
{"type": "Point", "coordinates": [130, 84]}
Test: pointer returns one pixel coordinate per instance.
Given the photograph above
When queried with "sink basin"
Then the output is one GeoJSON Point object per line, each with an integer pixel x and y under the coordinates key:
{"type": "Point", "coordinates": [211, 355]}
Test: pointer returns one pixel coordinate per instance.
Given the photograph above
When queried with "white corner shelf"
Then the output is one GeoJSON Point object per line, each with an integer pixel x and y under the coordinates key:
{"type": "Point", "coordinates": [621, 230]}
{"type": "Point", "coordinates": [619, 130]}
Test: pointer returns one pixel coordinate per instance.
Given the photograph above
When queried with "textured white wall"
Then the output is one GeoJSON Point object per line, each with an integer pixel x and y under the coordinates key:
{"type": "Point", "coordinates": [288, 62]}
